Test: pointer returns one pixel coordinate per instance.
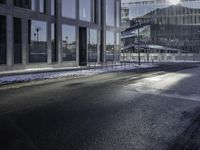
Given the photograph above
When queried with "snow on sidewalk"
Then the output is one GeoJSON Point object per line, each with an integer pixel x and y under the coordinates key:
{"type": "Point", "coordinates": [65, 74]}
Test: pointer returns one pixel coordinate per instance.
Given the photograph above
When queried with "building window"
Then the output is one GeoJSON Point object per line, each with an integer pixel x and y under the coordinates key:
{"type": "Point", "coordinates": [109, 46]}
{"type": "Point", "coordinates": [85, 10]}
{"type": "Point", "coordinates": [52, 7]}
{"type": "Point", "coordinates": [69, 8]}
{"type": "Point", "coordinates": [92, 45]}
{"type": "Point", "coordinates": [23, 3]}
{"type": "Point", "coordinates": [110, 9]}
{"type": "Point", "coordinates": [53, 43]}
{"type": "Point", "coordinates": [68, 43]}
{"type": "Point", "coordinates": [2, 40]}
{"type": "Point", "coordinates": [118, 14]}
{"type": "Point", "coordinates": [33, 5]}
{"type": "Point", "coordinates": [2, 1]}
{"type": "Point", "coordinates": [42, 6]}
{"type": "Point", "coordinates": [37, 41]}
{"type": "Point", "coordinates": [17, 41]}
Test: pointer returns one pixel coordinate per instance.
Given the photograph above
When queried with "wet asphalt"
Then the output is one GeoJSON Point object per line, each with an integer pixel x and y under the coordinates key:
{"type": "Point", "coordinates": [148, 109]}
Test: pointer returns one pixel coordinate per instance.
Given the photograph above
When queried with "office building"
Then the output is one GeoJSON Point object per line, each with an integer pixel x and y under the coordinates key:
{"type": "Point", "coordinates": [58, 33]}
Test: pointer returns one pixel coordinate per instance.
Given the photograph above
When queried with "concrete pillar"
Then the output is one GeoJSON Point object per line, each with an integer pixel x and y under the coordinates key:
{"type": "Point", "coordinates": [59, 30]}
{"type": "Point", "coordinates": [9, 32]}
{"type": "Point", "coordinates": [24, 41]}
{"type": "Point", "coordinates": [49, 49]}
{"type": "Point", "coordinates": [77, 33]}
{"type": "Point", "coordinates": [103, 33]}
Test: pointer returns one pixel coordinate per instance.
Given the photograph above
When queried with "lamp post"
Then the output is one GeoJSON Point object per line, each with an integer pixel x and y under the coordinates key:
{"type": "Point", "coordinates": [138, 41]}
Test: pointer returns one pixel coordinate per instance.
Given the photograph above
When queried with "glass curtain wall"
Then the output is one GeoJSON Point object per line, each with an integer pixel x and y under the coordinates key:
{"type": "Point", "coordinates": [109, 46]}
{"type": "Point", "coordinates": [69, 8]}
{"type": "Point", "coordinates": [85, 10]}
{"type": "Point", "coordinates": [2, 40]}
{"type": "Point", "coordinates": [52, 7]}
{"type": "Point", "coordinates": [68, 43]}
{"type": "Point", "coordinates": [92, 45]}
{"type": "Point", "coordinates": [170, 25]}
{"type": "Point", "coordinates": [110, 12]}
{"type": "Point", "coordinates": [37, 41]}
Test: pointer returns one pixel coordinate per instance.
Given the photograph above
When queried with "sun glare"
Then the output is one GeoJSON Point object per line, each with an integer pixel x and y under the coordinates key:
{"type": "Point", "coordinates": [174, 2]}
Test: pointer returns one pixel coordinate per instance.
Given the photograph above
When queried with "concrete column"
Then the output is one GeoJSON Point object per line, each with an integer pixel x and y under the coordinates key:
{"type": "Point", "coordinates": [103, 33]}
{"type": "Point", "coordinates": [59, 30]}
{"type": "Point", "coordinates": [49, 49]}
{"type": "Point", "coordinates": [9, 31]}
{"type": "Point", "coordinates": [77, 33]}
{"type": "Point", "coordinates": [24, 41]}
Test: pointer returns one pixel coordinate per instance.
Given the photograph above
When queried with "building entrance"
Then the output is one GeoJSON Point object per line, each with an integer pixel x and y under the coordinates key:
{"type": "Point", "coordinates": [82, 46]}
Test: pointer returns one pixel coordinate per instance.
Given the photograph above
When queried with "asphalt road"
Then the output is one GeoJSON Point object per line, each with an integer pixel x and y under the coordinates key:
{"type": "Point", "coordinates": [151, 109]}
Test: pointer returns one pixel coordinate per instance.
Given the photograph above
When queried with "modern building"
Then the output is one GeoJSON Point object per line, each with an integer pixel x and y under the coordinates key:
{"type": "Point", "coordinates": [174, 29]}
{"type": "Point", "coordinates": [58, 33]}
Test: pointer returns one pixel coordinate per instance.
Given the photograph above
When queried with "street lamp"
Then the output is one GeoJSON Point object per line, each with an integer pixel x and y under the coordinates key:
{"type": "Point", "coordinates": [138, 41]}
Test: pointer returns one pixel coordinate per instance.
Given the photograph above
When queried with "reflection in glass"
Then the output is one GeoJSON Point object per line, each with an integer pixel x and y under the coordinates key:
{"type": "Point", "coordinates": [85, 10]}
{"type": "Point", "coordinates": [42, 6]}
{"type": "Point", "coordinates": [92, 45]}
{"type": "Point", "coordinates": [68, 43]}
{"type": "Point", "coordinates": [52, 7]}
{"type": "Point", "coordinates": [69, 8]}
{"type": "Point", "coordinates": [37, 41]}
{"type": "Point", "coordinates": [110, 9]}
{"type": "Point", "coordinates": [2, 40]}
{"type": "Point", "coordinates": [17, 40]}
{"type": "Point", "coordinates": [109, 46]}
{"type": "Point", "coordinates": [33, 4]}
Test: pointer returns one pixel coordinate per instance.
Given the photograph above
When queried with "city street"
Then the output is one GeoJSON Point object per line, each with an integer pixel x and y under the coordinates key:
{"type": "Point", "coordinates": [145, 109]}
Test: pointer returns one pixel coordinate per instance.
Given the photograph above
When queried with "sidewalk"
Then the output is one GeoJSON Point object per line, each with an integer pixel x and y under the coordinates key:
{"type": "Point", "coordinates": [20, 76]}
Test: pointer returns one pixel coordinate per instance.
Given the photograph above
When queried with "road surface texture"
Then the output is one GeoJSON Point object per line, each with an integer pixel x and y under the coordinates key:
{"type": "Point", "coordinates": [148, 109]}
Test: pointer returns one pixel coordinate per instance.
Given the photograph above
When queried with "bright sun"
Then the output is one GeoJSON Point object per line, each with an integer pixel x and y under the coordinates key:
{"type": "Point", "coordinates": [174, 2]}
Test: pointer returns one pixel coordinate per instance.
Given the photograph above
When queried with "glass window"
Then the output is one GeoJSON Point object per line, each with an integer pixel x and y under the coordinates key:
{"type": "Point", "coordinates": [109, 46]}
{"type": "Point", "coordinates": [37, 41]}
{"type": "Point", "coordinates": [92, 45]}
{"type": "Point", "coordinates": [68, 43]}
{"type": "Point", "coordinates": [110, 12]}
{"type": "Point", "coordinates": [2, 40]}
{"type": "Point", "coordinates": [85, 10]}
{"type": "Point", "coordinates": [23, 3]}
{"type": "Point", "coordinates": [69, 8]}
{"type": "Point", "coordinates": [53, 43]}
{"type": "Point", "coordinates": [52, 7]}
{"type": "Point", "coordinates": [33, 4]}
{"type": "Point", "coordinates": [17, 41]}
{"type": "Point", "coordinates": [42, 6]}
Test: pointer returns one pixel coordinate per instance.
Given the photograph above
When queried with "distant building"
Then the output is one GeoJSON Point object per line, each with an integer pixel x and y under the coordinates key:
{"type": "Point", "coordinates": [176, 27]}
{"type": "Point", "coordinates": [43, 33]}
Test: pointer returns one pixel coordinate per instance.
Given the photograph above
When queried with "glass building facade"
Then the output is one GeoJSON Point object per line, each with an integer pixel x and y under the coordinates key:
{"type": "Point", "coordinates": [40, 33]}
{"type": "Point", "coordinates": [173, 27]}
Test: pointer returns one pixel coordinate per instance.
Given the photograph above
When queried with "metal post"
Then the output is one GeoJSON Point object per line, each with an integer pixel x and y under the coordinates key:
{"type": "Point", "coordinates": [138, 39]}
